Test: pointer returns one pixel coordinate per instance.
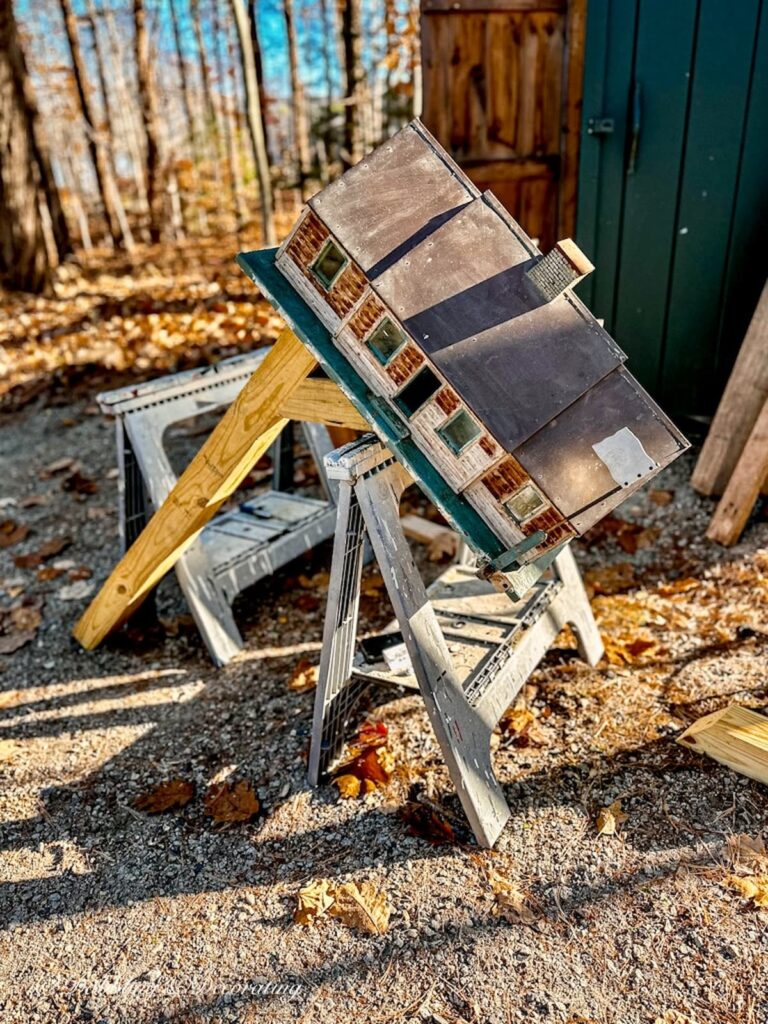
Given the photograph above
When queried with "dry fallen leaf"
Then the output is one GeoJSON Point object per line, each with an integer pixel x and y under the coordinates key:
{"type": "Point", "coordinates": [751, 887]}
{"type": "Point", "coordinates": [747, 852]}
{"type": "Point", "coordinates": [610, 579]}
{"type": "Point", "coordinates": [368, 759]}
{"type": "Point", "coordinates": [364, 907]}
{"type": "Point", "coordinates": [610, 818]}
{"type": "Point", "coordinates": [315, 900]}
{"type": "Point", "coordinates": [517, 721]}
{"type": "Point", "coordinates": [510, 901]}
{"type": "Point", "coordinates": [166, 796]}
{"type": "Point", "coordinates": [232, 802]}
{"type": "Point", "coordinates": [661, 497]}
{"type": "Point", "coordinates": [79, 483]}
{"type": "Point", "coordinates": [46, 572]}
{"type": "Point", "coordinates": [12, 532]}
{"type": "Point", "coordinates": [304, 677]}
{"type": "Point", "coordinates": [348, 786]}
{"type": "Point", "coordinates": [57, 466]}
{"type": "Point", "coordinates": [427, 823]}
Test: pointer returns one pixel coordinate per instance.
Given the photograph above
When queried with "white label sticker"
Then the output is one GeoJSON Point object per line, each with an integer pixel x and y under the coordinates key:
{"type": "Point", "coordinates": [624, 457]}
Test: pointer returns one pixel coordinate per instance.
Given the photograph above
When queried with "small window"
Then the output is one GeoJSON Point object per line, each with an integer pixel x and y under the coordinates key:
{"type": "Point", "coordinates": [524, 504]}
{"type": "Point", "coordinates": [329, 264]}
{"type": "Point", "coordinates": [459, 431]}
{"type": "Point", "coordinates": [386, 340]}
{"type": "Point", "coordinates": [418, 391]}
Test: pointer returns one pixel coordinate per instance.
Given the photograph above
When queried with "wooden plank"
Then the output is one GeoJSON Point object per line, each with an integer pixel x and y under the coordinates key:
{"type": "Point", "coordinates": [713, 140]}
{"type": "Point", "coordinates": [244, 433]}
{"type": "Point", "coordinates": [736, 737]}
{"type": "Point", "coordinates": [739, 408]}
{"type": "Point", "coordinates": [322, 401]}
{"type": "Point", "coordinates": [424, 530]}
{"type": "Point", "coordinates": [468, 6]}
{"type": "Point", "coordinates": [575, 41]}
{"type": "Point", "coordinates": [743, 489]}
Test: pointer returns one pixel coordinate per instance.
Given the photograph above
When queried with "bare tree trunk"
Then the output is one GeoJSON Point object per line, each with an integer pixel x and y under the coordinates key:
{"type": "Point", "coordinates": [189, 114]}
{"type": "Point", "coordinates": [298, 105]}
{"type": "Point", "coordinates": [255, 120]}
{"type": "Point", "coordinates": [94, 138]}
{"type": "Point", "coordinates": [233, 159]}
{"type": "Point", "coordinates": [353, 75]}
{"type": "Point", "coordinates": [211, 126]}
{"type": "Point", "coordinates": [122, 220]}
{"type": "Point", "coordinates": [26, 178]}
{"type": "Point", "coordinates": [130, 118]}
{"type": "Point", "coordinates": [148, 102]}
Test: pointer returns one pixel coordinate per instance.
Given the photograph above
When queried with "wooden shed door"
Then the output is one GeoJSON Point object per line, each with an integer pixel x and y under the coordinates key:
{"type": "Point", "coordinates": [502, 84]}
{"type": "Point", "coordinates": [673, 196]}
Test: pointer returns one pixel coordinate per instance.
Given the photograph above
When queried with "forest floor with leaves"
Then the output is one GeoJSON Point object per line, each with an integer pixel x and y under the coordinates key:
{"type": "Point", "coordinates": [162, 858]}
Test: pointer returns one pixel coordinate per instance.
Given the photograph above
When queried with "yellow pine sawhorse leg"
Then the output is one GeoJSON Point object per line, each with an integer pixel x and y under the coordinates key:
{"type": "Point", "coordinates": [276, 392]}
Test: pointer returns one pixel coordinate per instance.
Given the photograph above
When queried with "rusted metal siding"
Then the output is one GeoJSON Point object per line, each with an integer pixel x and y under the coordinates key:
{"type": "Point", "coordinates": [363, 320]}
{"type": "Point", "coordinates": [447, 400]}
{"type": "Point", "coordinates": [404, 364]}
{"type": "Point", "coordinates": [506, 478]}
{"type": "Point", "coordinates": [304, 247]}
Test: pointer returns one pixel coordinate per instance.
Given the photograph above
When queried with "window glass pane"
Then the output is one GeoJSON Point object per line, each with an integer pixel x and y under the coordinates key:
{"type": "Point", "coordinates": [459, 431]}
{"type": "Point", "coordinates": [418, 391]}
{"type": "Point", "coordinates": [329, 264]}
{"type": "Point", "coordinates": [385, 340]}
{"type": "Point", "coordinates": [521, 506]}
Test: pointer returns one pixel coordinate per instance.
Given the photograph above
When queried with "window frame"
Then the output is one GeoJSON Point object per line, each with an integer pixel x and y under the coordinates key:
{"type": "Point", "coordinates": [330, 241]}
{"type": "Point", "coordinates": [409, 414]}
{"type": "Point", "coordinates": [440, 432]}
{"type": "Point", "coordinates": [379, 359]}
{"type": "Point", "coordinates": [542, 507]}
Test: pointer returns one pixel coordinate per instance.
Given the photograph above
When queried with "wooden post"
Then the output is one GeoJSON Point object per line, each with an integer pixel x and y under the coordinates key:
{"type": "Point", "coordinates": [245, 432]}
{"type": "Point", "coordinates": [739, 407]}
{"type": "Point", "coordinates": [743, 488]}
{"type": "Point", "coordinates": [278, 391]}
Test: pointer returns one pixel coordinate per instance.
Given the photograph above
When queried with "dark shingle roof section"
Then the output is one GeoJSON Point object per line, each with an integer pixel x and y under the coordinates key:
{"type": "Point", "coordinates": [516, 360]}
{"type": "Point", "coordinates": [393, 197]}
{"type": "Point", "coordinates": [563, 461]}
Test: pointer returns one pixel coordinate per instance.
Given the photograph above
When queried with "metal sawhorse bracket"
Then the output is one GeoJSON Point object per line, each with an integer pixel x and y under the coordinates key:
{"type": "Point", "coordinates": [237, 548]}
{"type": "Point", "coordinates": [496, 643]}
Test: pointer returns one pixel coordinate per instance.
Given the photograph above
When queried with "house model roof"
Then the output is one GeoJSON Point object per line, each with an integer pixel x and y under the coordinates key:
{"type": "Point", "coordinates": [452, 317]}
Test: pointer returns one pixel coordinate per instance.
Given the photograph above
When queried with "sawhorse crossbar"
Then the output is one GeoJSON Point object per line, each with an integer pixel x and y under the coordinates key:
{"type": "Point", "coordinates": [497, 644]}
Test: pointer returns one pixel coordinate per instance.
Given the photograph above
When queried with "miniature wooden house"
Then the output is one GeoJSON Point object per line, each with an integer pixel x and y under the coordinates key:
{"type": "Point", "coordinates": [476, 344]}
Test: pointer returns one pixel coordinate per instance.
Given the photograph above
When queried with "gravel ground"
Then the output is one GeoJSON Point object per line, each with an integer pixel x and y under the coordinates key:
{"type": "Point", "coordinates": [109, 914]}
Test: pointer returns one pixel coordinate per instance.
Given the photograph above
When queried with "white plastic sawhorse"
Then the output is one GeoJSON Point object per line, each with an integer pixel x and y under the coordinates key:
{"type": "Point", "coordinates": [238, 548]}
{"type": "Point", "coordinates": [495, 643]}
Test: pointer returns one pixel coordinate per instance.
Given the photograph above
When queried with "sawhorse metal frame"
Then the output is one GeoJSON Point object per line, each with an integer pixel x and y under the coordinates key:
{"type": "Point", "coordinates": [237, 548]}
{"type": "Point", "coordinates": [497, 643]}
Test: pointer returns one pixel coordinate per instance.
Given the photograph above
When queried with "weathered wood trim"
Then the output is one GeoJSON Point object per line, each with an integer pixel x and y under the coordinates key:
{"type": "Point", "coordinates": [322, 401]}
{"type": "Point", "coordinates": [739, 408]}
{"type": "Point", "coordinates": [513, 6]}
{"type": "Point", "coordinates": [573, 97]}
{"type": "Point", "coordinates": [743, 488]}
